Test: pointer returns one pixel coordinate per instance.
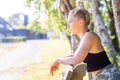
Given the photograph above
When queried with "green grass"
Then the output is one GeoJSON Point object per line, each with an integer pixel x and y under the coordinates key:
{"type": "Point", "coordinates": [7, 49]}
{"type": "Point", "coordinates": [49, 51]}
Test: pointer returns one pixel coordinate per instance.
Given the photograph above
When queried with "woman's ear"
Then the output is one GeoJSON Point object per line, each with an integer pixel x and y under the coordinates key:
{"type": "Point", "coordinates": [81, 21]}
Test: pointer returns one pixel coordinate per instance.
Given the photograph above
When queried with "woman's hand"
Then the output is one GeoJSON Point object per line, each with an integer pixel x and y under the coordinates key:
{"type": "Point", "coordinates": [54, 67]}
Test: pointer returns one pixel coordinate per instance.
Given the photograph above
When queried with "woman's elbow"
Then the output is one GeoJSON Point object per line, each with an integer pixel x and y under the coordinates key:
{"type": "Point", "coordinates": [75, 62]}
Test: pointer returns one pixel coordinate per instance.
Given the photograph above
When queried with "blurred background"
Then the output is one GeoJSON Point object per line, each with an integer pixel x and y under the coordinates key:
{"type": "Point", "coordinates": [29, 41]}
{"type": "Point", "coordinates": [34, 32]}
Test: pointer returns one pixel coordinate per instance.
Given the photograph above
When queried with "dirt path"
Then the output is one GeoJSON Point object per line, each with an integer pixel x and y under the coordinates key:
{"type": "Point", "coordinates": [14, 65]}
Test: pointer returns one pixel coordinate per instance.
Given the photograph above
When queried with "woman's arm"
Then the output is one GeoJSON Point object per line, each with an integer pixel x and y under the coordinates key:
{"type": "Point", "coordinates": [71, 55]}
{"type": "Point", "coordinates": [79, 55]}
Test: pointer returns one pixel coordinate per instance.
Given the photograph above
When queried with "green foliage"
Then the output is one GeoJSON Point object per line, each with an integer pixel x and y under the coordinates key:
{"type": "Point", "coordinates": [54, 20]}
{"type": "Point", "coordinates": [14, 39]}
{"type": "Point", "coordinates": [118, 60]}
{"type": "Point", "coordinates": [104, 12]}
{"type": "Point", "coordinates": [37, 27]}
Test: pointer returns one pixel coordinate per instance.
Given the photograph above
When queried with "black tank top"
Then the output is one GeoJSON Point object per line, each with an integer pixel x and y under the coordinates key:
{"type": "Point", "coordinates": [96, 61]}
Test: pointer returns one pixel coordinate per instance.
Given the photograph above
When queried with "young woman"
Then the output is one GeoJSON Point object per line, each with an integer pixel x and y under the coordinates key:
{"type": "Point", "coordinates": [90, 49]}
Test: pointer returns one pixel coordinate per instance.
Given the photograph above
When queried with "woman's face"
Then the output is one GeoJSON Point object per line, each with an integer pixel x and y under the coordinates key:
{"type": "Point", "coordinates": [73, 24]}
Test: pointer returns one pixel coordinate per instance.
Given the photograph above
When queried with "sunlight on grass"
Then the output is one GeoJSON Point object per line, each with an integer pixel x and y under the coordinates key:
{"type": "Point", "coordinates": [49, 51]}
{"type": "Point", "coordinates": [8, 47]}
{"type": "Point", "coordinates": [11, 46]}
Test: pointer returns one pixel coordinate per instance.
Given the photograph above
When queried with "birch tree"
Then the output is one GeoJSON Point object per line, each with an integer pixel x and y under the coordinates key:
{"type": "Point", "coordinates": [116, 11]}
{"type": "Point", "coordinates": [101, 28]}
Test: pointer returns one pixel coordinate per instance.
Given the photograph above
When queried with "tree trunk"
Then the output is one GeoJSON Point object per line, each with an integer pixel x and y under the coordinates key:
{"type": "Point", "coordinates": [112, 26]}
{"type": "Point", "coordinates": [116, 12]}
{"type": "Point", "coordinates": [102, 31]}
{"type": "Point", "coordinates": [65, 7]}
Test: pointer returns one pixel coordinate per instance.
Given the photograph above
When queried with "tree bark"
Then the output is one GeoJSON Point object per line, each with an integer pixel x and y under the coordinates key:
{"type": "Point", "coordinates": [116, 12]}
{"type": "Point", "coordinates": [65, 7]}
{"type": "Point", "coordinates": [112, 26]}
{"type": "Point", "coordinates": [102, 31]}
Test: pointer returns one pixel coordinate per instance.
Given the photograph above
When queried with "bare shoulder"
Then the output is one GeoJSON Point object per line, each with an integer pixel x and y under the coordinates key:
{"type": "Point", "coordinates": [92, 36]}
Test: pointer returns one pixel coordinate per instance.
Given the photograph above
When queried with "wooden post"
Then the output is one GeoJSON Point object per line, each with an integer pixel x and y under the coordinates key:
{"type": "Point", "coordinates": [77, 73]}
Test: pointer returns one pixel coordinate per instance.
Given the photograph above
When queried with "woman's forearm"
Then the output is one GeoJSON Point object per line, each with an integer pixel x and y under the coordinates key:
{"type": "Point", "coordinates": [66, 61]}
{"type": "Point", "coordinates": [68, 56]}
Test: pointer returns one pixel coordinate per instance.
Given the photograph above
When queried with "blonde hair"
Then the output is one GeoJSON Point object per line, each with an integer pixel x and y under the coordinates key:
{"type": "Point", "coordinates": [81, 14]}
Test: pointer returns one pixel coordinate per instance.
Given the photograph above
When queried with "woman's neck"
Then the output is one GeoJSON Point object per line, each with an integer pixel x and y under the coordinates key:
{"type": "Point", "coordinates": [81, 34]}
